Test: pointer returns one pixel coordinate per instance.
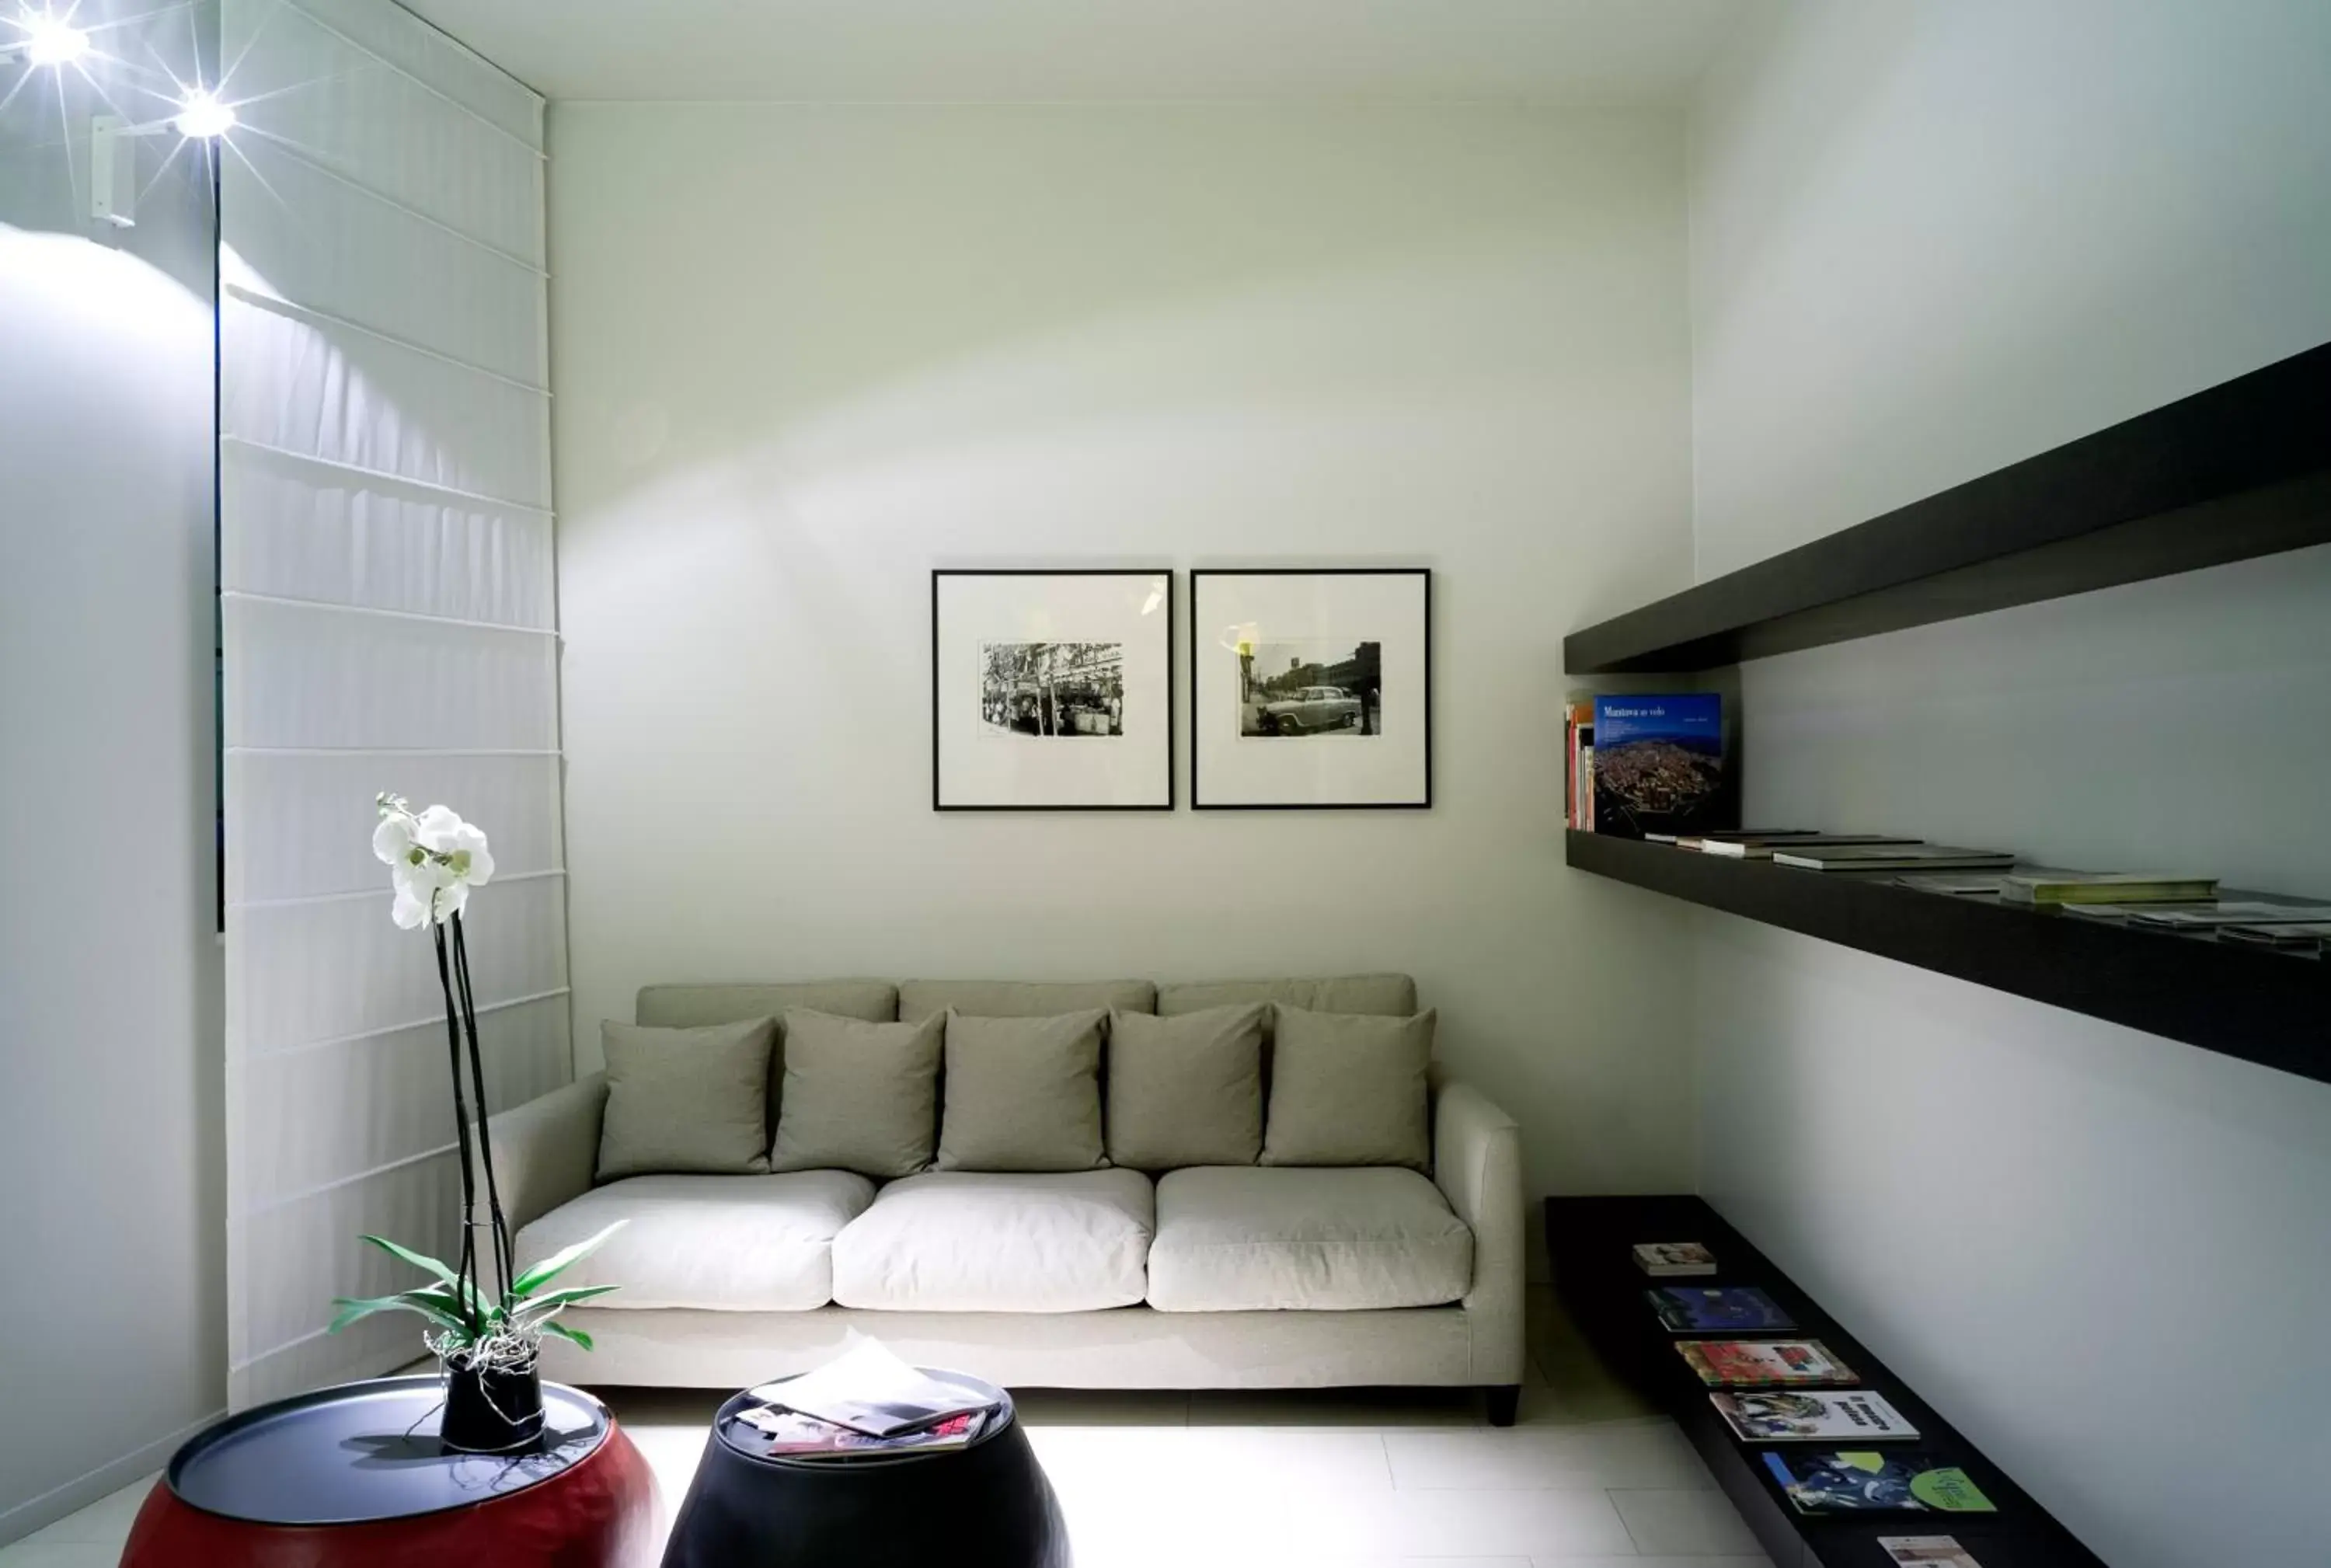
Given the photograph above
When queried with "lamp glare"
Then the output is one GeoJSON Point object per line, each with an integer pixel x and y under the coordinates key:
{"type": "Point", "coordinates": [202, 117]}
{"type": "Point", "coordinates": [49, 41]}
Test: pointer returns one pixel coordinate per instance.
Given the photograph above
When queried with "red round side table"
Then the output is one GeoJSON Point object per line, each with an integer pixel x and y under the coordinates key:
{"type": "Point", "coordinates": [353, 1478]}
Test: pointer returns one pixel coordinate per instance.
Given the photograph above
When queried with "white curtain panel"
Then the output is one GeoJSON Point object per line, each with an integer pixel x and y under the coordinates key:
{"type": "Point", "coordinates": [388, 621]}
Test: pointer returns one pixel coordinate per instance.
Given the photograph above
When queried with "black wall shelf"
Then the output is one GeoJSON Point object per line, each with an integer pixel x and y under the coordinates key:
{"type": "Point", "coordinates": [2273, 1008]}
{"type": "Point", "coordinates": [1590, 1242]}
{"type": "Point", "coordinates": [2240, 470]}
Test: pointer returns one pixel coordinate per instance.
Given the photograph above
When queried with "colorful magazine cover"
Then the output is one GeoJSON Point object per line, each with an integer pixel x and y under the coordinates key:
{"type": "Point", "coordinates": [1867, 1480]}
{"type": "Point", "coordinates": [1792, 1416]}
{"type": "Point", "coordinates": [1742, 1308]}
{"type": "Point", "coordinates": [1747, 1362]}
{"type": "Point", "coordinates": [1661, 766]}
{"type": "Point", "coordinates": [1674, 1257]}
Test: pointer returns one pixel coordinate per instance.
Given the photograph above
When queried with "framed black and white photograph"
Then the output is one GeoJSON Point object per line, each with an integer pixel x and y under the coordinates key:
{"type": "Point", "coordinates": [1311, 687]}
{"type": "Point", "coordinates": [1052, 690]}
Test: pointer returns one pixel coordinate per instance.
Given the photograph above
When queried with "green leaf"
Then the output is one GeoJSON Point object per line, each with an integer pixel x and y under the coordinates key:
{"type": "Point", "coordinates": [541, 1307]}
{"type": "Point", "coordinates": [419, 1261]}
{"type": "Point", "coordinates": [432, 1303]}
{"type": "Point", "coordinates": [542, 1273]}
{"type": "Point", "coordinates": [563, 1332]}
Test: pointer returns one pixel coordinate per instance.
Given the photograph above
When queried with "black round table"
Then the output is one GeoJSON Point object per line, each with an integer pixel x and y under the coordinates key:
{"type": "Point", "coordinates": [354, 1477]}
{"type": "Point", "coordinates": [986, 1505]}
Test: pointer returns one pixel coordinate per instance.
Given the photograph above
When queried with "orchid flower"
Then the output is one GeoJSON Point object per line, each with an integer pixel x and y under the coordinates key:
{"type": "Point", "coordinates": [434, 858]}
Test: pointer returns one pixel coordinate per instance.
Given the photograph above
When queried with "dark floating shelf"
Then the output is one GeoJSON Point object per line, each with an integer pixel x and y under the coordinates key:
{"type": "Point", "coordinates": [1590, 1242]}
{"type": "Point", "coordinates": [2240, 470]}
{"type": "Point", "coordinates": [2269, 1007]}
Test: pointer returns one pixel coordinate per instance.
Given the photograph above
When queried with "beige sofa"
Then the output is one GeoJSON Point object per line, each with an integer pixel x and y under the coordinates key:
{"type": "Point", "coordinates": [1216, 1276]}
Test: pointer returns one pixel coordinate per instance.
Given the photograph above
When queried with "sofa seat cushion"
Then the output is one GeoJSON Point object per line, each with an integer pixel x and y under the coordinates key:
{"type": "Point", "coordinates": [991, 1241]}
{"type": "Point", "coordinates": [726, 1243]}
{"type": "Point", "coordinates": [1244, 1239]}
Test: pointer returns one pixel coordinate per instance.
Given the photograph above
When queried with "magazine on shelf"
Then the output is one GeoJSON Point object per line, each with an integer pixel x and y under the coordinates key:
{"type": "Point", "coordinates": [1748, 1362]}
{"type": "Point", "coordinates": [870, 1390]}
{"type": "Point", "coordinates": [2231, 912]}
{"type": "Point", "coordinates": [1927, 1552]}
{"type": "Point", "coordinates": [1767, 849]}
{"type": "Point", "coordinates": [1810, 1415]}
{"type": "Point", "coordinates": [2311, 935]}
{"type": "Point", "coordinates": [1892, 858]}
{"type": "Point", "coordinates": [1673, 1260]}
{"type": "Point", "coordinates": [797, 1436]}
{"type": "Point", "coordinates": [1698, 1308]}
{"type": "Point", "coordinates": [1872, 1480]}
{"type": "Point", "coordinates": [2041, 888]}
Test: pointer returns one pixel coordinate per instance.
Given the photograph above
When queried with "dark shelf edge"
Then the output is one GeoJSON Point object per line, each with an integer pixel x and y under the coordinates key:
{"type": "Point", "coordinates": [2240, 470]}
{"type": "Point", "coordinates": [2269, 1008]}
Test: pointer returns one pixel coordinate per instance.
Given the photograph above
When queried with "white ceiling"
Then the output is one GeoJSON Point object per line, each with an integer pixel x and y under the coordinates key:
{"type": "Point", "coordinates": [1610, 52]}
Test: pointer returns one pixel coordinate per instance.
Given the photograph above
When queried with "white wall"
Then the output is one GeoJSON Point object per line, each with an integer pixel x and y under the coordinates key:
{"type": "Point", "coordinates": [803, 355]}
{"type": "Point", "coordinates": [1928, 241]}
{"type": "Point", "coordinates": [111, 1295]}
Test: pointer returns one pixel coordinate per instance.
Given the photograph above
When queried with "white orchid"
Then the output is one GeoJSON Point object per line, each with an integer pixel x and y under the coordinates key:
{"type": "Point", "coordinates": [434, 858]}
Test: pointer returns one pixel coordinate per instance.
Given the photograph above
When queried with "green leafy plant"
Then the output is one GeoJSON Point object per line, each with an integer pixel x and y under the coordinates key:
{"type": "Point", "coordinates": [467, 1329]}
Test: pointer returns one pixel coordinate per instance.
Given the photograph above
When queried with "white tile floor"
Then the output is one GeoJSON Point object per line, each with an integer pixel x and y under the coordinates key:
{"type": "Point", "coordinates": [1587, 1480]}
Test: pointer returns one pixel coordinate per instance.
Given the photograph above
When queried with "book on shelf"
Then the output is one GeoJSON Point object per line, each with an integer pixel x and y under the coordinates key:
{"type": "Point", "coordinates": [2039, 888]}
{"type": "Point", "coordinates": [1674, 1259]}
{"type": "Point", "coordinates": [1752, 1363]}
{"type": "Point", "coordinates": [1764, 847]}
{"type": "Point", "coordinates": [1892, 858]}
{"type": "Point", "coordinates": [1577, 745]}
{"type": "Point", "coordinates": [1810, 1415]}
{"type": "Point", "coordinates": [1662, 767]}
{"type": "Point", "coordinates": [1925, 1552]}
{"type": "Point", "coordinates": [1698, 1308]}
{"type": "Point", "coordinates": [1873, 1480]}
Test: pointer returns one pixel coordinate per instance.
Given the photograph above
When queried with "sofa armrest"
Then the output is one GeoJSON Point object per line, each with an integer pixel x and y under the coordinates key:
{"type": "Point", "coordinates": [546, 1151]}
{"type": "Point", "coordinates": [1477, 1163]}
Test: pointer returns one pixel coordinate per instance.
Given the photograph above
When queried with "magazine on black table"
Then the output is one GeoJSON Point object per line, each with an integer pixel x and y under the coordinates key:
{"type": "Point", "coordinates": [869, 1390]}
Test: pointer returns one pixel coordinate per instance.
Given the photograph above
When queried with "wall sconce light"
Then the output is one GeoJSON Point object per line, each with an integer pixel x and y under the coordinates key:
{"type": "Point", "coordinates": [113, 151]}
{"type": "Point", "coordinates": [47, 41]}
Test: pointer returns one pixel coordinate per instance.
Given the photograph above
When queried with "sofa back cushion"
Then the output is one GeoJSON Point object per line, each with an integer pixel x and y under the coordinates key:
{"type": "Point", "coordinates": [1186, 1091]}
{"type": "Point", "coordinates": [686, 1100]}
{"type": "Point", "coordinates": [921, 999]}
{"type": "Point", "coordinates": [1349, 1089]}
{"type": "Point", "coordinates": [1022, 1094]}
{"type": "Point", "coordinates": [1391, 995]}
{"type": "Point", "coordinates": [692, 1006]}
{"type": "Point", "coordinates": [858, 1097]}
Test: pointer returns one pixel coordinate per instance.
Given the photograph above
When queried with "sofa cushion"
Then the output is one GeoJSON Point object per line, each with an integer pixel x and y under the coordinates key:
{"type": "Point", "coordinates": [1022, 1094]}
{"type": "Point", "coordinates": [1393, 995]}
{"type": "Point", "coordinates": [858, 1096]}
{"type": "Point", "coordinates": [691, 1005]}
{"type": "Point", "coordinates": [1246, 1238]}
{"type": "Point", "coordinates": [920, 999]}
{"type": "Point", "coordinates": [1349, 1089]}
{"type": "Point", "coordinates": [988, 1241]}
{"type": "Point", "coordinates": [1186, 1091]}
{"type": "Point", "coordinates": [686, 1100]}
{"type": "Point", "coordinates": [726, 1243]}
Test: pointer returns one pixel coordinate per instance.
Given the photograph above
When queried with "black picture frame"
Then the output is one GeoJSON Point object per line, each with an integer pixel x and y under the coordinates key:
{"type": "Point", "coordinates": [1195, 638]}
{"type": "Point", "coordinates": [938, 760]}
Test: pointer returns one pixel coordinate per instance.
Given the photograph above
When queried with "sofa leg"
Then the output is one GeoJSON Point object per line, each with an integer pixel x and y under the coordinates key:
{"type": "Point", "coordinates": [1504, 1400]}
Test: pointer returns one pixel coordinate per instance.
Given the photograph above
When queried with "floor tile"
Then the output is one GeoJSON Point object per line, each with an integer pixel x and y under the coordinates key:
{"type": "Point", "coordinates": [104, 1522]}
{"type": "Point", "coordinates": [1642, 1454]}
{"type": "Point", "coordinates": [1683, 1522]}
{"type": "Point", "coordinates": [1372, 1408]}
{"type": "Point", "coordinates": [1088, 1407]}
{"type": "Point", "coordinates": [35, 1553]}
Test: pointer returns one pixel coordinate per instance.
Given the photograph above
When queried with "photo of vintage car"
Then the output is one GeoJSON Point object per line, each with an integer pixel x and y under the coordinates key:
{"type": "Point", "coordinates": [1309, 709]}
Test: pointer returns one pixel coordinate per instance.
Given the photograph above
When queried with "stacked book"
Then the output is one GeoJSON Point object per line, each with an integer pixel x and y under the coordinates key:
{"type": "Point", "coordinates": [868, 1403]}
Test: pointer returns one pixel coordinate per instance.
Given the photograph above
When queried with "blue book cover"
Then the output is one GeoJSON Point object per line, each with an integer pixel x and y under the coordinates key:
{"type": "Point", "coordinates": [1689, 1309]}
{"type": "Point", "coordinates": [1853, 1482]}
{"type": "Point", "coordinates": [1661, 766]}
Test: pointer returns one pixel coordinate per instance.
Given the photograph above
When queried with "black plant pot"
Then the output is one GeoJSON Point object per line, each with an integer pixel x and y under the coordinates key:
{"type": "Point", "coordinates": [498, 1411]}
